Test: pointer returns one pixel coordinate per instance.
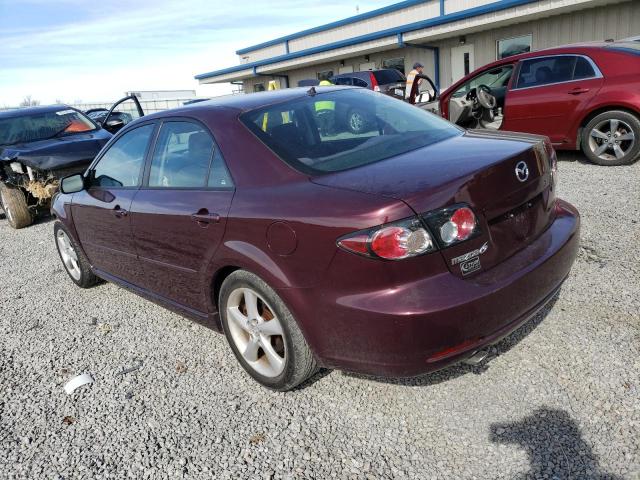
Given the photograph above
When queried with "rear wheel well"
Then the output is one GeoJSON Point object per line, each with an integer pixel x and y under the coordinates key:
{"type": "Point", "coordinates": [218, 279]}
{"type": "Point", "coordinates": [594, 113]}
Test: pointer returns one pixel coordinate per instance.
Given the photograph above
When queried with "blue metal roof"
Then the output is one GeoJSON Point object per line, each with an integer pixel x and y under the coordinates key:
{"type": "Point", "coordinates": [398, 31]}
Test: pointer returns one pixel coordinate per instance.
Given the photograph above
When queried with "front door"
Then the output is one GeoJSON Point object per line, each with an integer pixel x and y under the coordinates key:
{"type": "Point", "coordinates": [101, 212]}
{"type": "Point", "coordinates": [548, 93]}
{"type": "Point", "coordinates": [462, 62]}
{"type": "Point", "coordinates": [179, 215]}
{"type": "Point", "coordinates": [122, 112]}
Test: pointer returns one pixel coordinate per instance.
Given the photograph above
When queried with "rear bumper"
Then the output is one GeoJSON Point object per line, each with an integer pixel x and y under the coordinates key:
{"type": "Point", "coordinates": [438, 320]}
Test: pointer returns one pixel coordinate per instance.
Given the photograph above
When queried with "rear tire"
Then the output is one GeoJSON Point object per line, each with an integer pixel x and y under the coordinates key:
{"type": "Point", "coordinates": [263, 334]}
{"type": "Point", "coordinates": [73, 258]}
{"type": "Point", "coordinates": [14, 204]}
{"type": "Point", "coordinates": [612, 138]}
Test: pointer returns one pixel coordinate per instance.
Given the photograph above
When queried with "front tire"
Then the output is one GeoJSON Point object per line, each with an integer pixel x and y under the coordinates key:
{"type": "Point", "coordinates": [73, 258]}
{"type": "Point", "coordinates": [14, 204]}
{"type": "Point", "coordinates": [612, 138]}
{"type": "Point", "coordinates": [263, 334]}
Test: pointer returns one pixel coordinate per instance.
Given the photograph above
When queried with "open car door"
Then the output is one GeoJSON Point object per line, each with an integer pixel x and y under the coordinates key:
{"type": "Point", "coordinates": [122, 112]}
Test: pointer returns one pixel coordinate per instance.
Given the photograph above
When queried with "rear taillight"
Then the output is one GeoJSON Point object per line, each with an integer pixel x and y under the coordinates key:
{"type": "Point", "coordinates": [394, 241]}
{"type": "Point", "coordinates": [453, 224]}
{"type": "Point", "coordinates": [374, 82]}
{"type": "Point", "coordinates": [411, 237]}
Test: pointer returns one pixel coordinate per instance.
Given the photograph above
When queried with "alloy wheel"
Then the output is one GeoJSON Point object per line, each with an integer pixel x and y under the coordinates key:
{"type": "Point", "coordinates": [69, 255]}
{"type": "Point", "coordinates": [611, 139]}
{"type": "Point", "coordinates": [256, 332]}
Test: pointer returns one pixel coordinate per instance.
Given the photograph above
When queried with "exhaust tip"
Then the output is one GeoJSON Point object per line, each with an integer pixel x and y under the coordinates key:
{"type": "Point", "coordinates": [477, 357]}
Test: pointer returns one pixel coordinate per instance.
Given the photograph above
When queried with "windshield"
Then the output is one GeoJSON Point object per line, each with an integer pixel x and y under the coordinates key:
{"type": "Point", "coordinates": [43, 125]}
{"type": "Point", "coordinates": [343, 129]}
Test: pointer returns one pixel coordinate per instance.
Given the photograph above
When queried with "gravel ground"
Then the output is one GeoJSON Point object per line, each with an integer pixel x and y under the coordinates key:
{"type": "Point", "coordinates": [558, 399]}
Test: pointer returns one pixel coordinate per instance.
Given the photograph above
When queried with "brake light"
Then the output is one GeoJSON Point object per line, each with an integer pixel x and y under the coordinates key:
{"type": "Point", "coordinates": [459, 227]}
{"type": "Point", "coordinates": [374, 82]}
{"type": "Point", "coordinates": [396, 241]}
{"type": "Point", "coordinates": [453, 224]}
{"type": "Point", "coordinates": [411, 237]}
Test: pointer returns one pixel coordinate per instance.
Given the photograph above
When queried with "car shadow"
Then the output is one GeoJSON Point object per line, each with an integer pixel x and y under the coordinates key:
{"type": "Point", "coordinates": [460, 369]}
{"type": "Point", "coordinates": [572, 156]}
{"type": "Point", "coordinates": [554, 444]}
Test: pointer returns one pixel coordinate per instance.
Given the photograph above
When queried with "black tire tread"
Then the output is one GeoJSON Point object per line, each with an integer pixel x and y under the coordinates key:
{"type": "Point", "coordinates": [20, 215]}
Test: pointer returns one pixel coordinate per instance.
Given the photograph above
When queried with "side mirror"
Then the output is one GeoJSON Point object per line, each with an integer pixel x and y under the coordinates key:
{"type": "Point", "coordinates": [114, 125]}
{"type": "Point", "coordinates": [72, 183]}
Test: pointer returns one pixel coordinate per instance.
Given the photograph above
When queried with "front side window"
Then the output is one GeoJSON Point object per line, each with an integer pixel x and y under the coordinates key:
{"type": "Point", "coordinates": [182, 156]}
{"type": "Point", "coordinates": [121, 165]}
{"type": "Point", "coordinates": [495, 78]}
{"type": "Point", "coordinates": [343, 129]}
{"type": "Point", "coordinates": [548, 70]}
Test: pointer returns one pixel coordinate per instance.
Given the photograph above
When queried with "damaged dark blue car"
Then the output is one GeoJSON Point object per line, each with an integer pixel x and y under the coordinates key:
{"type": "Point", "coordinates": [41, 145]}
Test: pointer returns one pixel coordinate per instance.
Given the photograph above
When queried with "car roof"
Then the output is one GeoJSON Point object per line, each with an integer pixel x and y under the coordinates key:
{"type": "Point", "coordinates": [573, 48]}
{"type": "Point", "coordinates": [26, 111]}
{"type": "Point", "coordinates": [246, 102]}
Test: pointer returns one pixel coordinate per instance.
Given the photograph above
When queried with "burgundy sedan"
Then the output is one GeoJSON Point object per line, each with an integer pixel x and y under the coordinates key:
{"type": "Point", "coordinates": [395, 251]}
{"type": "Point", "coordinates": [583, 96]}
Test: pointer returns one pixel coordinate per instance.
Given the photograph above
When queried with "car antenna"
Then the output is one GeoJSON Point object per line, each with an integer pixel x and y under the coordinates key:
{"type": "Point", "coordinates": [312, 92]}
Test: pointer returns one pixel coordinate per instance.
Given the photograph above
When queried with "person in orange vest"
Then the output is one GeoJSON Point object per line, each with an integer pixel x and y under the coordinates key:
{"type": "Point", "coordinates": [414, 80]}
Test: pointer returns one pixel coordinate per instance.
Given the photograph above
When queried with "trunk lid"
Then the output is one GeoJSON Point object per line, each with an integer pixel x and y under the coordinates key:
{"type": "Point", "coordinates": [478, 169]}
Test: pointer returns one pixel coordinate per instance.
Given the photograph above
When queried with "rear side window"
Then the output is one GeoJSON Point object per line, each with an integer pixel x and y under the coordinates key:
{"type": "Point", "coordinates": [182, 156]}
{"type": "Point", "coordinates": [121, 165]}
{"type": "Point", "coordinates": [343, 81]}
{"type": "Point", "coordinates": [583, 69]}
{"type": "Point", "coordinates": [543, 71]}
{"type": "Point", "coordinates": [391, 75]}
{"type": "Point", "coordinates": [343, 129]}
{"type": "Point", "coordinates": [556, 69]}
{"type": "Point", "coordinates": [360, 83]}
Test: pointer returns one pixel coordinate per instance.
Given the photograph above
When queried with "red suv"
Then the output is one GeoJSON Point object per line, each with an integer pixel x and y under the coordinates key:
{"type": "Point", "coordinates": [584, 96]}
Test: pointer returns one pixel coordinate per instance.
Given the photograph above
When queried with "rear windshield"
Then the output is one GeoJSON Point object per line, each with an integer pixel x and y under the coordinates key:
{"type": "Point", "coordinates": [343, 129]}
{"type": "Point", "coordinates": [43, 125]}
{"type": "Point", "coordinates": [388, 76]}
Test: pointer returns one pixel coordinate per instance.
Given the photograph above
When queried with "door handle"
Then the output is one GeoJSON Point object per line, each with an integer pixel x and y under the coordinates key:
{"type": "Point", "coordinates": [578, 91]}
{"type": "Point", "coordinates": [119, 212]}
{"type": "Point", "coordinates": [204, 217]}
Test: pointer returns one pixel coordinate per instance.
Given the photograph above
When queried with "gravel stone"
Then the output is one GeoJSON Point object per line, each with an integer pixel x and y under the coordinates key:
{"type": "Point", "coordinates": [558, 399]}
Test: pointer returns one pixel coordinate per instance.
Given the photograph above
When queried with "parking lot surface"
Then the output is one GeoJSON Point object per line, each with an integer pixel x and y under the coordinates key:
{"type": "Point", "coordinates": [558, 399]}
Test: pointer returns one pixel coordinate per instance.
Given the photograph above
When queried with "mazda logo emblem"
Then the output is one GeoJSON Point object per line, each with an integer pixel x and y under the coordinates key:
{"type": "Point", "coordinates": [522, 171]}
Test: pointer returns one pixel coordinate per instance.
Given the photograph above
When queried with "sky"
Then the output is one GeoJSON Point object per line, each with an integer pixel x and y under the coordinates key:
{"type": "Point", "coordinates": [77, 51]}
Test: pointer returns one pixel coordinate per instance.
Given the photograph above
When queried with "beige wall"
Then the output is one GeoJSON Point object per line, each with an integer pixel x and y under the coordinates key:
{"type": "Point", "coordinates": [612, 21]}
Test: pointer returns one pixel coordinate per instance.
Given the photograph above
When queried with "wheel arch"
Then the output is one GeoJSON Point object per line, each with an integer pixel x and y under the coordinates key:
{"type": "Point", "coordinates": [597, 111]}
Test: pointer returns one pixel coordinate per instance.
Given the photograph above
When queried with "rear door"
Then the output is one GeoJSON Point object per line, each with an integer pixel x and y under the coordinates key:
{"type": "Point", "coordinates": [549, 93]}
{"type": "Point", "coordinates": [101, 212]}
{"type": "Point", "coordinates": [179, 215]}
